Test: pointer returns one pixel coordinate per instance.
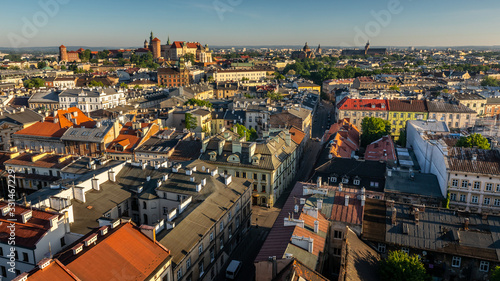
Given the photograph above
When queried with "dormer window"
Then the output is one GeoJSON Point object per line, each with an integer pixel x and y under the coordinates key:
{"type": "Point", "coordinates": [345, 180]}
{"type": "Point", "coordinates": [356, 182]}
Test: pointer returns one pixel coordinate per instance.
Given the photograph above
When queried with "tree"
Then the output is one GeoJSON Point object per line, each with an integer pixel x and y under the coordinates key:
{"type": "Point", "coordinates": [123, 85]}
{"type": "Point", "coordinates": [373, 129]}
{"type": "Point", "coordinates": [490, 81]}
{"type": "Point", "coordinates": [41, 64]}
{"type": "Point", "coordinates": [495, 274]}
{"type": "Point", "coordinates": [473, 140]}
{"type": "Point", "coordinates": [199, 102]}
{"type": "Point", "coordinates": [94, 83]}
{"type": "Point", "coordinates": [446, 201]}
{"type": "Point", "coordinates": [189, 57]}
{"type": "Point", "coordinates": [63, 67]}
{"type": "Point", "coordinates": [399, 266]}
{"type": "Point", "coordinates": [402, 138]}
{"type": "Point", "coordinates": [274, 96]}
{"type": "Point", "coordinates": [250, 135]}
{"type": "Point", "coordinates": [34, 83]}
{"type": "Point", "coordinates": [190, 121]}
{"type": "Point", "coordinates": [103, 54]}
{"type": "Point", "coordinates": [394, 88]}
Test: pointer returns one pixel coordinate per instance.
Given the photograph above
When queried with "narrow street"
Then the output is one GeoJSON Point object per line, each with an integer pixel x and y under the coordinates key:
{"type": "Point", "coordinates": [263, 218]}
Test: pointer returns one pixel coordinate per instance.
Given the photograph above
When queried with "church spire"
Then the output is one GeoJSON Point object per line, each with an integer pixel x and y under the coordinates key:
{"type": "Point", "coordinates": [151, 38]}
{"type": "Point", "coordinates": [168, 41]}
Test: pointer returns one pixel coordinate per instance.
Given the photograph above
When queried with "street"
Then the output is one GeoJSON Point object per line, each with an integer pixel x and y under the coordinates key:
{"type": "Point", "coordinates": [323, 118]}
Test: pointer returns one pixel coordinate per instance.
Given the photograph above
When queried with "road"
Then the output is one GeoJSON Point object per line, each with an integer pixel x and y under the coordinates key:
{"type": "Point", "coordinates": [263, 218]}
{"type": "Point", "coordinates": [323, 118]}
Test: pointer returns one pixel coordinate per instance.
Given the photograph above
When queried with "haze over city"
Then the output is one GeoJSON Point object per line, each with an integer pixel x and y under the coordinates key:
{"type": "Point", "coordinates": [251, 23]}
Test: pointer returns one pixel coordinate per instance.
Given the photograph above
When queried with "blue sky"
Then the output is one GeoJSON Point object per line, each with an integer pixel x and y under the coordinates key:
{"type": "Point", "coordinates": [124, 23]}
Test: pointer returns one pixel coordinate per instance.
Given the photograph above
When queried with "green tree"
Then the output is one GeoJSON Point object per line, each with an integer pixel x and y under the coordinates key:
{"type": "Point", "coordinates": [41, 64]}
{"type": "Point", "coordinates": [34, 83]}
{"type": "Point", "coordinates": [495, 274]}
{"type": "Point", "coordinates": [446, 201]}
{"type": "Point", "coordinates": [123, 85]}
{"type": "Point", "coordinates": [473, 140]}
{"type": "Point", "coordinates": [63, 67]}
{"type": "Point", "coordinates": [103, 54]}
{"type": "Point", "coordinates": [190, 121]}
{"type": "Point", "coordinates": [402, 138]}
{"type": "Point", "coordinates": [250, 135]}
{"type": "Point", "coordinates": [189, 57]}
{"type": "Point", "coordinates": [373, 129]}
{"type": "Point", "coordinates": [274, 96]}
{"type": "Point", "coordinates": [394, 88]}
{"type": "Point", "coordinates": [399, 266]}
{"type": "Point", "coordinates": [198, 102]}
{"type": "Point", "coordinates": [490, 81]}
{"type": "Point", "coordinates": [94, 83]}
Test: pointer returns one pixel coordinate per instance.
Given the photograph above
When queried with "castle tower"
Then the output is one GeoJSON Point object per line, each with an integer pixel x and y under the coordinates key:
{"type": "Point", "coordinates": [63, 54]}
{"type": "Point", "coordinates": [156, 47]}
{"type": "Point", "coordinates": [319, 49]}
{"type": "Point", "coordinates": [146, 44]}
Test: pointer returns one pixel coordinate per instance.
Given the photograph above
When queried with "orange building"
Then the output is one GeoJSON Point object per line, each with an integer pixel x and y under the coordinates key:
{"type": "Point", "coordinates": [70, 56]}
{"type": "Point", "coordinates": [173, 77]}
{"type": "Point", "coordinates": [156, 48]}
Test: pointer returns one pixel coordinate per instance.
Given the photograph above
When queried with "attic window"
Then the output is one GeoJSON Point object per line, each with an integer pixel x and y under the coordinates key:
{"type": "Point", "coordinates": [86, 133]}
{"type": "Point", "coordinates": [73, 133]}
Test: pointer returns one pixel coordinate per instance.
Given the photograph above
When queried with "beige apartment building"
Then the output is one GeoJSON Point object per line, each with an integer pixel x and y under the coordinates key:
{"type": "Point", "coordinates": [237, 75]}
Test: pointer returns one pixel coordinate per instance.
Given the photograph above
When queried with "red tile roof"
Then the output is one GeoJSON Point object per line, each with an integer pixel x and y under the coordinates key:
{"type": "Point", "coordinates": [50, 129]}
{"type": "Point", "coordinates": [156, 39]}
{"type": "Point", "coordinates": [128, 137]}
{"type": "Point", "coordinates": [297, 135]}
{"type": "Point", "coordinates": [381, 150]}
{"type": "Point", "coordinates": [27, 234]}
{"type": "Point", "coordinates": [353, 213]}
{"type": "Point", "coordinates": [123, 253]}
{"type": "Point", "coordinates": [366, 79]}
{"type": "Point", "coordinates": [62, 46]}
{"type": "Point", "coordinates": [408, 105]}
{"type": "Point", "coordinates": [363, 104]}
{"type": "Point", "coordinates": [178, 44]}
{"type": "Point", "coordinates": [345, 139]}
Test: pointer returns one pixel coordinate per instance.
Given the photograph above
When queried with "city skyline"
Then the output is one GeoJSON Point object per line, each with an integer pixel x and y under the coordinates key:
{"type": "Point", "coordinates": [257, 23]}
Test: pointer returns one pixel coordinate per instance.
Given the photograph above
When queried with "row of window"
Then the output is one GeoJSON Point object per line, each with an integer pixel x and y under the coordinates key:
{"type": "Point", "coordinates": [474, 199]}
{"type": "Point", "coordinates": [476, 185]}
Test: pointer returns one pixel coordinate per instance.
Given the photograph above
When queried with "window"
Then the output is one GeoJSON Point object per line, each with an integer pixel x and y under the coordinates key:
{"type": "Point", "coordinates": [333, 179]}
{"type": "Point", "coordinates": [455, 262]}
{"type": "Point", "coordinates": [337, 234]}
{"type": "Point", "coordinates": [345, 180]}
{"type": "Point", "coordinates": [489, 187]}
{"type": "Point", "coordinates": [63, 243]}
{"type": "Point", "coordinates": [474, 199]}
{"type": "Point", "coordinates": [230, 230]}
{"type": "Point", "coordinates": [212, 254]}
{"type": "Point", "coordinates": [498, 187]}
{"type": "Point", "coordinates": [465, 183]}
{"type": "Point", "coordinates": [254, 187]}
{"type": "Point", "coordinates": [188, 263]}
{"type": "Point", "coordinates": [200, 268]}
{"type": "Point", "coordinates": [484, 266]}
{"type": "Point", "coordinates": [381, 248]}
{"type": "Point", "coordinates": [454, 183]}
{"type": "Point", "coordinates": [4, 271]}
{"type": "Point", "coordinates": [453, 197]}
{"type": "Point", "coordinates": [221, 226]}
{"type": "Point", "coordinates": [263, 177]}
{"type": "Point", "coordinates": [25, 257]}
{"type": "Point", "coordinates": [496, 202]}
{"type": "Point", "coordinates": [477, 185]}
{"type": "Point", "coordinates": [486, 201]}
{"type": "Point", "coordinates": [237, 174]}
{"type": "Point", "coordinates": [144, 206]}
{"type": "Point", "coordinates": [200, 249]}
{"type": "Point", "coordinates": [221, 241]}
{"type": "Point", "coordinates": [263, 188]}
{"type": "Point", "coordinates": [165, 209]}
{"type": "Point", "coordinates": [254, 176]}
{"type": "Point", "coordinates": [373, 184]}
{"type": "Point", "coordinates": [179, 274]}
{"type": "Point", "coordinates": [356, 182]}
{"type": "Point", "coordinates": [337, 251]}
{"type": "Point", "coordinates": [1, 252]}
{"type": "Point", "coordinates": [406, 250]}
{"type": "Point", "coordinates": [462, 198]}
{"type": "Point", "coordinates": [211, 236]}
{"type": "Point", "coordinates": [244, 175]}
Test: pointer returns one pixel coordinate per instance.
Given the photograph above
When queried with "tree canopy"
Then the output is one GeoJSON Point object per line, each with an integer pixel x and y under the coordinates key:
{"type": "Point", "coordinates": [190, 121]}
{"type": "Point", "coordinates": [373, 129]}
{"type": "Point", "coordinates": [41, 64]}
{"type": "Point", "coordinates": [495, 274]}
{"type": "Point", "coordinates": [34, 83]}
{"type": "Point", "coordinates": [473, 140]}
{"type": "Point", "coordinates": [490, 81]}
{"type": "Point", "coordinates": [399, 266]}
{"type": "Point", "coordinates": [199, 102]}
{"type": "Point", "coordinates": [94, 83]}
{"type": "Point", "coordinates": [274, 96]}
{"type": "Point", "coordinates": [250, 135]}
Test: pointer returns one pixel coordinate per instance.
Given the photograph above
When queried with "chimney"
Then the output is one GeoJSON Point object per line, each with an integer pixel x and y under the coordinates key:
{"type": "Point", "coordinates": [191, 179]}
{"type": "Point", "coordinates": [417, 215]}
{"type": "Point", "coordinates": [320, 204]}
{"type": "Point", "coordinates": [346, 200]}
{"type": "Point", "coordinates": [111, 175]}
{"type": "Point", "coordinates": [363, 198]}
{"type": "Point", "coordinates": [474, 156]}
{"type": "Point", "coordinates": [316, 226]}
{"type": "Point", "coordinates": [466, 224]}
{"type": "Point", "coordinates": [389, 173]}
{"type": "Point", "coordinates": [296, 208]}
{"type": "Point", "coordinates": [393, 216]}
{"type": "Point", "coordinates": [318, 182]}
{"type": "Point", "coordinates": [228, 179]}
{"type": "Point", "coordinates": [95, 183]}
{"type": "Point", "coordinates": [149, 231]}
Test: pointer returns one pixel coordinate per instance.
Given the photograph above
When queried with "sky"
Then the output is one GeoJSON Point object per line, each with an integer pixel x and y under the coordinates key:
{"type": "Point", "coordinates": [127, 23]}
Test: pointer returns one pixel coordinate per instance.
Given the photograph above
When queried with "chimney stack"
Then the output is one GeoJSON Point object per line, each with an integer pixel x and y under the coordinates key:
{"type": "Point", "coordinates": [316, 226]}
{"type": "Point", "coordinates": [347, 200]}
{"type": "Point", "coordinates": [417, 216]}
{"type": "Point", "coordinates": [320, 204]}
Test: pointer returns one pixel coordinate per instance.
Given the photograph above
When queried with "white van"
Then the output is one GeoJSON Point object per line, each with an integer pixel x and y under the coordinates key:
{"type": "Point", "coordinates": [232, 269]}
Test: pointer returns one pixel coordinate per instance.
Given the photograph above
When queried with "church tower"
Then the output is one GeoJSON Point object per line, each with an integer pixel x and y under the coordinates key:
{"type": "Point", "coordinates": [168, 41]}
{"type": "Point", "coordinates": [146, 44]}
{"type": "Point", "coordinates": [151, 37]}
{"type": "Point", "coordinates": [367, 46]}
{"type": "Point", "coordinates": [319, 49]}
